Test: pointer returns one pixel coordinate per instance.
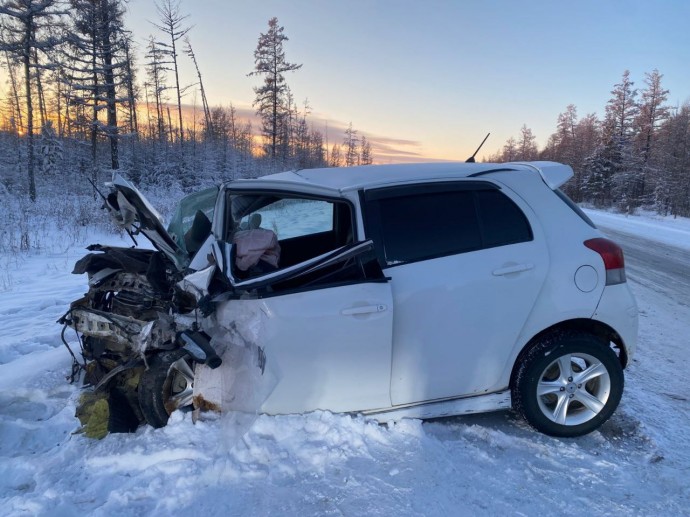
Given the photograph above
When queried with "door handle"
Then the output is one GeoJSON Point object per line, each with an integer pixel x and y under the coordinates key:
{"type": "Point", "coordinates": [518, 268]}
{"type": "Point", "coordinates": [366, 309]}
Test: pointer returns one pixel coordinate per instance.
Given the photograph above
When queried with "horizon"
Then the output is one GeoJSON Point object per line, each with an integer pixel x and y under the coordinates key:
{"type": "Point", "coordinates": [378, 78]}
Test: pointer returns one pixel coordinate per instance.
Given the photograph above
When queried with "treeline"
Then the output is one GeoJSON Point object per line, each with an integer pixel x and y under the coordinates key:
{"type": "Point", "coordinates": [79, 105]}
{"type": "Point", "coordinates": [638, 156]}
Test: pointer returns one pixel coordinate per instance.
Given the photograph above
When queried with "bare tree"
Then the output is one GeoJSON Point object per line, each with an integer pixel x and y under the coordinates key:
{"type": "Point", "coordinates": [156, 81]}
{"type": "Point", "coordinates": [208, 127]}
{"type": "Point", "coordinates": [172, 24]}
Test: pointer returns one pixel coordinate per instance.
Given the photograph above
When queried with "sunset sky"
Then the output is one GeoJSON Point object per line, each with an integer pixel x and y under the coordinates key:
{"type": "Point", "coordinates": [428, 79]}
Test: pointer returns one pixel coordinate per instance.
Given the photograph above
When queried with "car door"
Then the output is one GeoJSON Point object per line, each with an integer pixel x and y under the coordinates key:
{"type": "Point", "coordinates": [331, 348]}
{"type": "Point", "coordinates": [326, 315]}
{"type": "Point", "coordinates": [466, 267]}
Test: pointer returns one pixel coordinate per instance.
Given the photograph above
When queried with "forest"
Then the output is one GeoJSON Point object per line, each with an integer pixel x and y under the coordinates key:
{"type": "Point", "coordinates": [83, 97]}
{"type": "Point", "coordinates": [638, 156]}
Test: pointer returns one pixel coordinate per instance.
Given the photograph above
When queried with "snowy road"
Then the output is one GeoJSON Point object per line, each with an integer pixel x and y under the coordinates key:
{"type": "Point", "coordinates": [638, 463]}
{"type": "Point", "coordinates": [662, 267]}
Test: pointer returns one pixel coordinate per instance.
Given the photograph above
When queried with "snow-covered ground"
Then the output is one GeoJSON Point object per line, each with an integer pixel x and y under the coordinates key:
{"type": "Point", "coordinates": [324, 464]}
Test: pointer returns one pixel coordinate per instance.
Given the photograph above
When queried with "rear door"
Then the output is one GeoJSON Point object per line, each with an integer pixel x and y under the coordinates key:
{"type": "Point", "coordinates": [466, 266]}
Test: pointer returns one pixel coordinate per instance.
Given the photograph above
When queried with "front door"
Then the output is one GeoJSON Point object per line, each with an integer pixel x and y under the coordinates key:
{"type": "Point", "coordinates": [330, 348]}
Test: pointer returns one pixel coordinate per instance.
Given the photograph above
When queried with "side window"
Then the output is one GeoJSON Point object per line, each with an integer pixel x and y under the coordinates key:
{"type": "Point", "coordinates": [290, 218]}
{"type": "Point", "coordinates": [291, 229]}
{"type": "Point", "coordinates": [423, 226]}
{"type": "Point", "coordinates": [422, 222]}
{"type": "Point", "coordinates": [502, 222]}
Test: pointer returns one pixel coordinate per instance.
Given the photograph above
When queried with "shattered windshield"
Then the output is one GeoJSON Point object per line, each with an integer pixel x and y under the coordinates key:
{"type": "Point", "coordinates": [203, 201]}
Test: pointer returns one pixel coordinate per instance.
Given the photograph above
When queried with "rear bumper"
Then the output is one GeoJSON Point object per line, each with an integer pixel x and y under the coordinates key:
{"type": "Point", "coordinates": [617, 308]}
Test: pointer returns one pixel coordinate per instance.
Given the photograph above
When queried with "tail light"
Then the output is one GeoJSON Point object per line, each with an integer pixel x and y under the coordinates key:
{"type": "Point", "coordinates": [612, 255]}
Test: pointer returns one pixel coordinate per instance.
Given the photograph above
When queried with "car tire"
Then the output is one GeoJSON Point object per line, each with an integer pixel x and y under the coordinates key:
{"type": "Point", "coordinates": [568, 384]}
{"type": "Point", "coordinates": [166, 385]}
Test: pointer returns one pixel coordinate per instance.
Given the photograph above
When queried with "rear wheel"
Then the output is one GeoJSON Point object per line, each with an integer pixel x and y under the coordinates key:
{"type": "Point", "coordinates": [568, 384]}
{"type": "Point", "coordinates": [165, 386]}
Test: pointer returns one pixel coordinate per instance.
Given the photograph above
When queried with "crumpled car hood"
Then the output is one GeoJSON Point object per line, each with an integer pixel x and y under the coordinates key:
{"type": "Point", "coordinates": [131, 211]}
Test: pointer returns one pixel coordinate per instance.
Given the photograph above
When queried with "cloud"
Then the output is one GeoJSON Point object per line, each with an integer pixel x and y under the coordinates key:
{"type": "Point", "coordinates": [385, 149]}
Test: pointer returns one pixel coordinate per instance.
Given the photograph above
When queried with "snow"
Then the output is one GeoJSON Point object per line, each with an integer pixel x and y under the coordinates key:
{"type": "Point", "coordinates": [673, 231]}
{"type": "Point", "coordinates": [638, 463]}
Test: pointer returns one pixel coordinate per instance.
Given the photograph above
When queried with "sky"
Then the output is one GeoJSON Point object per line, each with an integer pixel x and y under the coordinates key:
{"type": "Point", "coordinates": [427, 80]}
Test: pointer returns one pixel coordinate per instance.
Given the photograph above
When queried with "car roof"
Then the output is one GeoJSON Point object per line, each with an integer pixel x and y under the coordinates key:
{"type": "Point", "coordinates": [369, 176]}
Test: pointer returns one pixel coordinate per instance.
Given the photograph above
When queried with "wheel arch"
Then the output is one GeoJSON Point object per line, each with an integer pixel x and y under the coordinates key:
{"type": "Point", "coordinates": [580, 325]}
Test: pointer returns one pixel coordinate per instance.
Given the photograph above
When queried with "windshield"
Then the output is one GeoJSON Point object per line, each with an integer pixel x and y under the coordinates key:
{"type": "Point", "coordinates": [203, 201]}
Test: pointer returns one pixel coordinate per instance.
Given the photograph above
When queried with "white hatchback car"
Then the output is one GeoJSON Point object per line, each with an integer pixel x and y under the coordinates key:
{"type": "Point", "coordinates": [416, 290]}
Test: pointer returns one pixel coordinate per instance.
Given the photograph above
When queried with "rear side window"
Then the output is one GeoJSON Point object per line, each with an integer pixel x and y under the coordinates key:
{"type": "Point", "coordinates": [574, 207]}
{"type": "Point", "coordinates": [427, 222]}
{"type": "Point", "coordinates": [501, 220]}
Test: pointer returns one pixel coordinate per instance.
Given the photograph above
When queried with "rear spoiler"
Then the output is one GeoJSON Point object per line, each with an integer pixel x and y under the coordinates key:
{"type": "Point", "coordinates": [554, 174]}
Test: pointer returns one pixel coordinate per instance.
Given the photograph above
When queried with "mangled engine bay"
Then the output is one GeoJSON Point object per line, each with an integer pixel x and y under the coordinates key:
{"type": "Point", "coordinates": [146, 322]}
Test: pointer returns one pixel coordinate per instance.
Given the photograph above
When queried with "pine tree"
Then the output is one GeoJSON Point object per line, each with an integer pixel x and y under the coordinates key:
{"type": "Point", "coordinates": [97, 68]}
{"type": "Point", "coordinates": [527, 145]}
{"type": "Point", "coordinates": [25, 24]}
{"type": "Point", "coordinates": [335, 159]}
{"type": "Point", "coordinates": [271, 101]}
{"type": "Point", "coordinates": [619, 131]}
{"type": "Point", "coordinates": [672, 192]}
{"type": "Point", "coordinates": [621, 110]}
{"type": "Point", "coordinates": [652, 112]}
{"type": "Point", "coordinates": [509, 150]}
{"type": "Point", "coordinates": [351, 145]}
{"type": "Point", "coordinates": [365, 156]}
{"type": "Point", "coordinates": [598, 174]}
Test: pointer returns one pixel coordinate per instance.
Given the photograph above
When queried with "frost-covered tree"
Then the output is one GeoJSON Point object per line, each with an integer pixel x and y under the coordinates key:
{"type": "Point", "coordinates": [351, 145]}
{"type": "Point", "coordinates": [621, 110]}
{"type": "Point", "coordinates": [271, 101]}
{"type": "Point", "coordinates": [652, 112]}
{"type": "Point", "coordinates": [98, 69]}
{"type": "Point", "coordinates": [25, 32]}
{"type": "Point", "coordinates": [335, 159]}
{"type": "Point", "coordinates": [672, 191]}
{"type": "Point", "coordinates": [619, 132]}
{"type": "Point", "coordinates": [527, 145]}
{"type": "Point", "coordinates": [366, 157]}
{"type": "Point", "coordinates": [565, 135]}
{"type": "Point", "coordinates": [510, 150]}
{"type": "Point", "coordinates": [598, 175]}
{"type": "Point", "coordinates": [50, 150]}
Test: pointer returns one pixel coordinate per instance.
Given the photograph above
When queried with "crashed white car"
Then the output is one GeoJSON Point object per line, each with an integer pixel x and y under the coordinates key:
{"type": "Point", "coordinates": [417, 290]}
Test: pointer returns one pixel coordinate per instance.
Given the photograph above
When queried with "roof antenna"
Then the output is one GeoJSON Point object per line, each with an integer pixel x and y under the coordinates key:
{"type": "Point", "coordinates": [471, 158]}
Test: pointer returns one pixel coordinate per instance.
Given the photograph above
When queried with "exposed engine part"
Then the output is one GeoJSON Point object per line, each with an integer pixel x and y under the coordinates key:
{"type": "Point", "coordinates": [133, 313]}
